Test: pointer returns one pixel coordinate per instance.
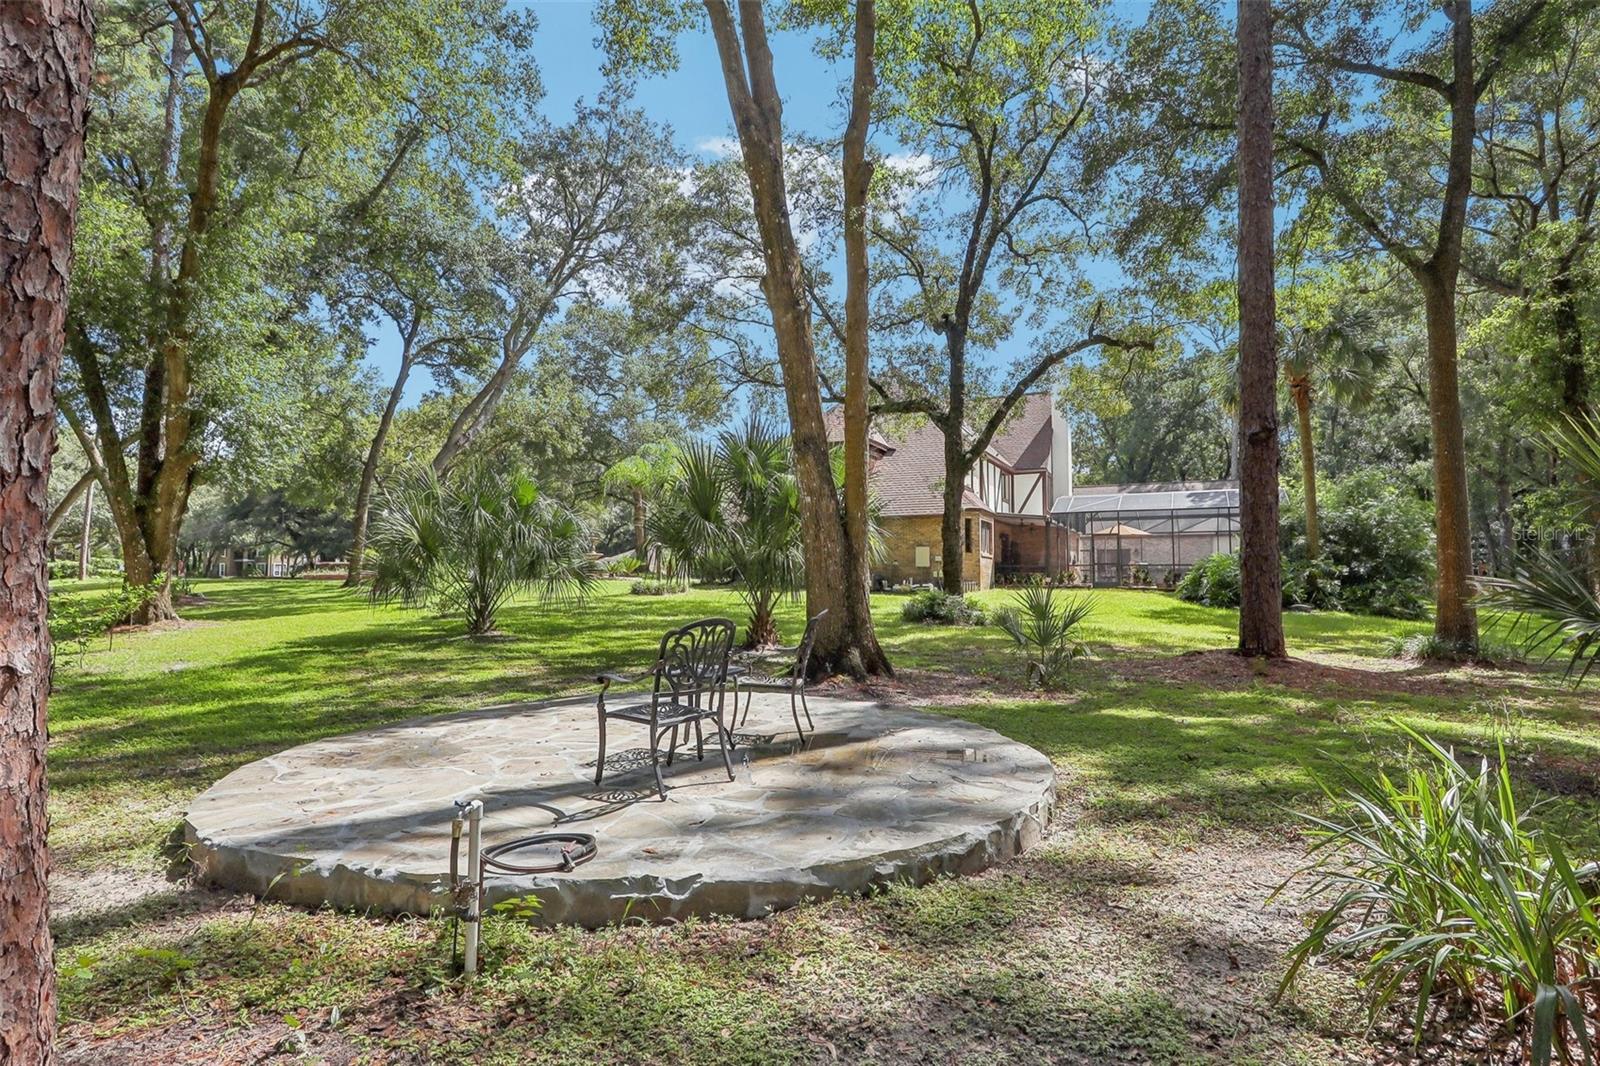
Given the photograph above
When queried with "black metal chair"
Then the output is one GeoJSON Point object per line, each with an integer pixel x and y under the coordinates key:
{"type": "Point", "coordinates": [794, 683]}
{"type": "Point", "coordinates": [690, 677]}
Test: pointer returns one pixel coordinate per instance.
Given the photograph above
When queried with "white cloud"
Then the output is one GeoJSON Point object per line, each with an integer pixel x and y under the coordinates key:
{"type": "Point", "coordinates": [721, 147]}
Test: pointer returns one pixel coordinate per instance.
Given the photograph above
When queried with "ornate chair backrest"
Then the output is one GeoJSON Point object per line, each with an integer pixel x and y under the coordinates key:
{"type": "Point", "coordinates": [694, 659]}
{"type": "Point", "coordinates": [802, 658]}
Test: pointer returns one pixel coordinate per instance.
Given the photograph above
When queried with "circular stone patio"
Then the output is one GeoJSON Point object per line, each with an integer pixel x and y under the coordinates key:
{"type": "Point", "coordinates": [879, 795]}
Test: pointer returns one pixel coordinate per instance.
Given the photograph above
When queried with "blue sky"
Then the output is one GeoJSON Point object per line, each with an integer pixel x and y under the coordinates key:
{"type": "Point", "coordinates": [692, 100]}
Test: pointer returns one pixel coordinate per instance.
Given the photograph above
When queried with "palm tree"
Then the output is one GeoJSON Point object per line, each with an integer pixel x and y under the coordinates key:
{"type": "Point", "coordinates": [466, 543]}
{"type": "Point", "coordinates": [1338, 353]}
{"type": "Point", "coordinates": [641, 477]}
{"type": "Point", "coordinates": [736, 506]}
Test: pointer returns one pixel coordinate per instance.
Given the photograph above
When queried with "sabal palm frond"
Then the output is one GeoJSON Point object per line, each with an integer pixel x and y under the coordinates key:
{"type": "Point", "coordinates": [1045, 626]}
{"type": "Point", "coordinates": [1556, 611]}
{"type": "Point", "coordinates": [736, 505]}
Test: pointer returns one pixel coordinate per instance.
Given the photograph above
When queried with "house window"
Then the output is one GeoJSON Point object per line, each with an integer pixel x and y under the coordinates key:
{"type": "Point", "coordinates": [986, 538]}
{"type": "Point", "coordinates": [966, 535]}
{"type": "Point", "coordinates": [923, 556]}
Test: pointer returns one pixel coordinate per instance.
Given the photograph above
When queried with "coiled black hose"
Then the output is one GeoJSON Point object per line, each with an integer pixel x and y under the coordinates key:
{"type": "Point", "coordinates": [577, 849]}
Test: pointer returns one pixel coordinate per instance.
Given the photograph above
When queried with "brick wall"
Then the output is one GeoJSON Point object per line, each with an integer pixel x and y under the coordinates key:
{"type": "Point", "coordinates": [903, 535]}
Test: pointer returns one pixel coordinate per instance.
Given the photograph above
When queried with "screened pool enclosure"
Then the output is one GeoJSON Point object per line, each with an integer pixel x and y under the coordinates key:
{"type": "Point", "coordinates": [1147, 534]}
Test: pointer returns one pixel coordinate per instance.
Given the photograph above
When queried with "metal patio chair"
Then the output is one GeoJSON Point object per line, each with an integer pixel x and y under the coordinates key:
{"type": "Point", "coordinates": [794, 683]}
{"type": "Point", "coordinates": [689, 681]}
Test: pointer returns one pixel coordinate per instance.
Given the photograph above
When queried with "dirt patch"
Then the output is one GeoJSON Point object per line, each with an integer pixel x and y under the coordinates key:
{"type": "Point", "coordinates": [1225, 669]}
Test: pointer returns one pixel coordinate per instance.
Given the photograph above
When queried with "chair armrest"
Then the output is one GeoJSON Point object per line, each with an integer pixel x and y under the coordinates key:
{"type": "Point", "coordinates": [606, 680]}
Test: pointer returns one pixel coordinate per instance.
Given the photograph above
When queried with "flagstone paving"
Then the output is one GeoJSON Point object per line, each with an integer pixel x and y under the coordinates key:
{"type": "Point", "coordinates": [879, 794]}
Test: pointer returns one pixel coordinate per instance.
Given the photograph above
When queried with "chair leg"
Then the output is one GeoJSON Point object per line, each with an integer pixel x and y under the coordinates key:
{"type": "Point", "coordinates": [727, 763]}
{"type": "Point", "coordinates": [794, 712]}
{"type": "Point", "coordinates": [699, 742]}
{"type": "Point", "coordinates": [749, 697]}
{"type": "Point", "coordinates": [600, 760]}
{"type": "Point", "coordinates": [806, 707]}
{"type": "Point", "coordinates": [672, 749]}
{"type": "Point", "coordinates": [655, 761]}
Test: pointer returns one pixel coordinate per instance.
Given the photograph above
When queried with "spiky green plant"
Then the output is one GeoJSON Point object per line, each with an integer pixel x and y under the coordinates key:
{"type": "Point", "coordinates": [1044, 623]}
{"type": "Point", "coordinates": [467, 543]}
{"type": "Point", "coordinates": [1554, 612]}
{"type": "Point", "coordinates": [1433, 883]}
{"type": "Point", "coordinates": [736, 506]}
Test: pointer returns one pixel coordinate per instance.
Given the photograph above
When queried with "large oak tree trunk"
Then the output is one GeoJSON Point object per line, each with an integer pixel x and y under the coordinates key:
{"type": "Point", "coordinates": [1455, 620]}
{"type": "Point", "coordinates": [858, 634]}
{"type": "Point", "coordinates": [753, 98]}
{"type": "Point", "coordinates": [952, 545]}
{"type": "Point", "coordinates": [45, 60]}
{"type": "Point", "coordinates": [1260, 580]}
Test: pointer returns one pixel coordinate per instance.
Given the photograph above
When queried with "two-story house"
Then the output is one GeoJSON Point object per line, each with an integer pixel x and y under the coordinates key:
{"type": "Point", "coordinates": [1006, 521]}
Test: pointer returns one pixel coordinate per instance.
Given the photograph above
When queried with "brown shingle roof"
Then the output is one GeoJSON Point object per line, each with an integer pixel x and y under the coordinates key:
{"type": "Point", "coordinates": [906, 481]}
{"type": "Point", "coordinates": [1024, 441]}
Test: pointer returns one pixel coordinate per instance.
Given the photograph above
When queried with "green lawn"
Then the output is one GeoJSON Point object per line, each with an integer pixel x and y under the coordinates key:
{"type": "Point", "coordinates": [1139, 931]}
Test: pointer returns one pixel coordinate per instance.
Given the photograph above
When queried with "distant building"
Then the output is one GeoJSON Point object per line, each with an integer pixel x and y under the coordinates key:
{"type": "Point", "coordinates": [1006, 525]}
{"type": "Point", "coordinates": [1022, 516]}
{"type": "Point", "coordinates": [1147, 534]}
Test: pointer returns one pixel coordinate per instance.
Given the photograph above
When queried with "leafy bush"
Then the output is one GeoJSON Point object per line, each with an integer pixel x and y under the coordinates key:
{"type": "Point", "coordinates": [1376, 536]}
{"type": "Point", "coordinates": [623, 565]}
{"type": "Point", "coordinates": [651, 587]}
{"type": "Point", "coordinates": [1213, 581]}
{"type": "Point", "coordinates": [932, 606]}
{"type": "Point", "coordinates": [1312, 582]}
{"type": "Point", "coordinates": [76, 620]}
{"type": "Point", "coordinates": [1435, 884]}
{"type": "Point", "coordinates": [1045, 626]}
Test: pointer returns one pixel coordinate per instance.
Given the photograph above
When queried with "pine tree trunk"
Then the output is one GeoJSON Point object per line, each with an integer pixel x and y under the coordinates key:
{"type": "Point", "coordinates": [1301, 389]}
{"type": "Point", "coordinates": [1260, 580]}
{"type": "Point", "coordinates": [45, 57]}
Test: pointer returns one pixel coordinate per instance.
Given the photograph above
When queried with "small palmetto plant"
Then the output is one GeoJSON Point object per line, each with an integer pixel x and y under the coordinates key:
{"type": "Point", "coordinates": [1554, 604]}
{"type": "Point", "coordinates": [1433, 884]}
{"type": "Point", "coordinates": [466, 543]}
{"type": "Point", "coordinates": [1554, 610]}
{"type": "Point", "coordinates": [1044, 623]}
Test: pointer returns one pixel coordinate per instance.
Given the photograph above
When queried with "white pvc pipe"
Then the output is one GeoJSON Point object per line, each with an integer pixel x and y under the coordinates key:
{"type": "Point", "coordinates": [474, 884]}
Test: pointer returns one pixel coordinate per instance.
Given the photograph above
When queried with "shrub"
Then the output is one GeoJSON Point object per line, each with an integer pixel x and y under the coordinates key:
{"type": "Point", "coordinates": [76, 620]}
{"type": "Point", "coordinates": [1314, 583]}
{"type": "Point", "coordinates": [652, 587]}
{"type": "Point", "coordinates": [1436, 885]}
{"type": "Point", "coordinates": [1044, 624]}
{"type": "Point", "coordinates": [1213, 581]}
{"type": "Point", "coordinates": [1377, 538]}
{"type": "Point", "coordinates": [623, 565]}
{"type": "Point", "coordinates": [932, 606]}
